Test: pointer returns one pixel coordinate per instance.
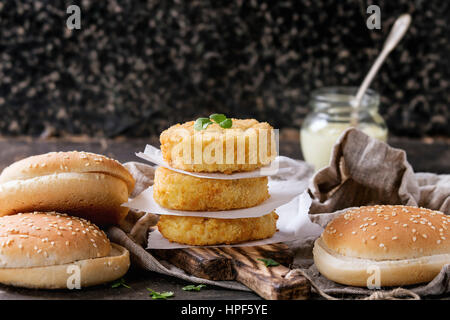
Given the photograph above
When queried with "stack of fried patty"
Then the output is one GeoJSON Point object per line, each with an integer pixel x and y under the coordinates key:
{"type": "Point", "coordinates": [178, 191]}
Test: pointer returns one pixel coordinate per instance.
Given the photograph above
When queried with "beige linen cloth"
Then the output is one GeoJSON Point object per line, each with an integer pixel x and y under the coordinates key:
{"type": "Point", "coordinates": [362, 171]}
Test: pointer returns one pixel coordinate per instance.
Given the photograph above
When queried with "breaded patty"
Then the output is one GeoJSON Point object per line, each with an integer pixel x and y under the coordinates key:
{"type": "Point", "coordinates": [209, 231]}
{"type": "Point", "coordinates": [179, 191]}
{"type": "Point", "coordinates": [246, 146]}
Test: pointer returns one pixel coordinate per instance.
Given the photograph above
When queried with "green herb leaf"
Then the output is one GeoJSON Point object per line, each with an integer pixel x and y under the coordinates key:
{"type": "Point", "coordinates": [206, 124]}
{"type": "Point", "coordinates": [201, 123]}
{"type": "Point", "coordinates": [226, 124]}
{"type": "Point", "coordinates": [269, 262]}
{"type": "Point", "coordinates": [120, 282]}
{"type": "Point", "coordinates": [160, 295]}
{"type": "Point", "coordinates": [218, 117]}
{"type": "Point", "coordinates": [221, 119]}
{"type": "Point", "coordinates": [193, 287]}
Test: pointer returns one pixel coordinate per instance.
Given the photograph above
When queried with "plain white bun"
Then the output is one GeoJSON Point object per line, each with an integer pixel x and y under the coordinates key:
{"type": "Point", "coordinates": [408, 245]}
{"type": "Point", "coordinates": [83, 184]}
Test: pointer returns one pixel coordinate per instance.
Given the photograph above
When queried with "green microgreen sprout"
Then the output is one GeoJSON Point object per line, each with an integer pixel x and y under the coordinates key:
{"type": "Point", "coordinates": [120, 283]}
{"type": "Point", "coordinates": [269, 262]}
{"type": "Point", "coordinates": [160, 295]}
{"type": "Point", "coordinates": [193, 287]}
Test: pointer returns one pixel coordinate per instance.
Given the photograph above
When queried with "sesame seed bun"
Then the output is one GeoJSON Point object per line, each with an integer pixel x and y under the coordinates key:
{"type": "Point", "coordinates": [83, 184]}
{"type": "Point", "coordinates": [37, 248]}
{"type": "Point", "coordinates": [174, 140]}
{"type": "Point", "coordinates": [409, 245]}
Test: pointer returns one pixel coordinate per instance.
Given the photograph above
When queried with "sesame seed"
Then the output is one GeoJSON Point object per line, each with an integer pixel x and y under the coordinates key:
{"type": "Point", "coordinates": [372, 237]}
{"type": "Point", "coordinates": [394, 238]}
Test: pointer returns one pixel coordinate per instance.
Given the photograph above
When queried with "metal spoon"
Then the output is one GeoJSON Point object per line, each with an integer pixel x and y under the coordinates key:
{"type": "Point", "coordinates": [397, 32]}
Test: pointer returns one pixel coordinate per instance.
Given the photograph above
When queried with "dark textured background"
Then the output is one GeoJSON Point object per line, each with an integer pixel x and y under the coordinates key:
{"type": "Point", "coordinates": [136, 67]}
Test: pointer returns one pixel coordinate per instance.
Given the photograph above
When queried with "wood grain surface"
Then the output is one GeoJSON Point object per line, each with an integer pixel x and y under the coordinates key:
{"type": "Point", "coordinates": [243, 265]}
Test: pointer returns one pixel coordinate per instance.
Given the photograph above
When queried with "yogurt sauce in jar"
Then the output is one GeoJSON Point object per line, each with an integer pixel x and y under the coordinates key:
{"type": "Point", "coordinates": [331, 115]}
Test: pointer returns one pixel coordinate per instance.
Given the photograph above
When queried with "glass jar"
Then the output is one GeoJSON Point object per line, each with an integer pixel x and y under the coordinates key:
{"type": "Point", "coordinates": [331, 115]}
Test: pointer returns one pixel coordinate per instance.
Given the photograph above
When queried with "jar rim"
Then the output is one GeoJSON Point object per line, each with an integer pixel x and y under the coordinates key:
{"type": "Point", "coordinates": [334, 96]}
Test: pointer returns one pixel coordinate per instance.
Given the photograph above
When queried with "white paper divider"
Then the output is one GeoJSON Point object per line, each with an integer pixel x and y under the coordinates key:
{"type": "Point", "coordinates": [281, 192]}
{"type": "Point", "coordinates": [293, 224]}
{"type": "Point", "coordinates": [280, 166]}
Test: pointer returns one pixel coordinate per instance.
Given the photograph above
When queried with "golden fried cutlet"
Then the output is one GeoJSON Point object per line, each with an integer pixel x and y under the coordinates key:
{"type": "Point", "coordinates": [179, 191]}
{"type": "Point", "coordinates": [246, 146]}
{"type": "Point", "coordinates": [209, 231]}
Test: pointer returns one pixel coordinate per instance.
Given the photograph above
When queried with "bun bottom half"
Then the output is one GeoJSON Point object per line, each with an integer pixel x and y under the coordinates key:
{"type": "Point", "coordinates": [356, 272]}
{"type": "Point", "coordinates": [209, 231]}
{"type": "Point", "coordinates": [93, 196]}
{"type": "Point", "coordinates": [92, 272]}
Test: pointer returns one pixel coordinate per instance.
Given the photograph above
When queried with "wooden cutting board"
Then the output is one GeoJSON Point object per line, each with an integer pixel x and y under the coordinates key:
{"type": "Point", "coordinates": [242, 264]}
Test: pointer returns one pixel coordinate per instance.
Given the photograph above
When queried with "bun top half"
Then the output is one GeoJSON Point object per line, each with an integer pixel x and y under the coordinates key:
{"type": "Point", "coordinates": [388, 233]}
{"type": "Point", "coordinates": [45, 239]}
{"type": "Point", "coordinates": [63, 162]}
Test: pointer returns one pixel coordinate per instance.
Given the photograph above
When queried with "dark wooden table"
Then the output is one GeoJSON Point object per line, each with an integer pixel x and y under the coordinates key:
{"type": "Point", "coordinates": [429, 155]}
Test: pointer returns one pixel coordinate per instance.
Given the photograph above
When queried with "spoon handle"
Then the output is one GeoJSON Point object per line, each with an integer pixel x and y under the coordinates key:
{"type": "Point", "coordinates": [397, 32]}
